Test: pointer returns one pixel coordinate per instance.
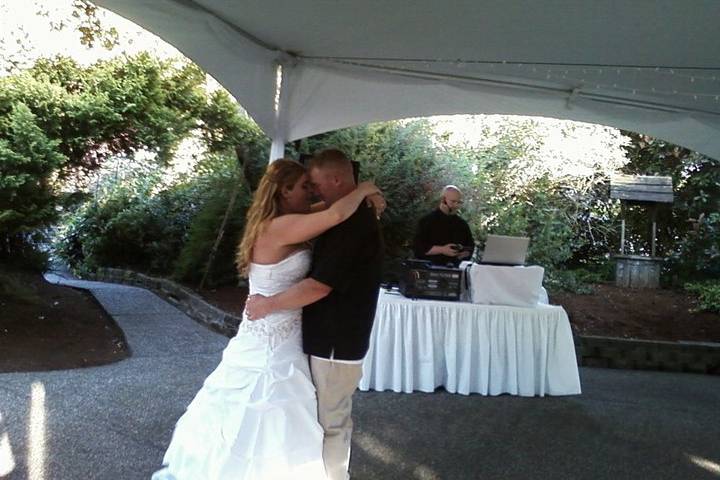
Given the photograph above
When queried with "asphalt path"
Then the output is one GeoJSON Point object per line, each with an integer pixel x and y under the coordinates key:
{"type": "Point", "coordinates": [115, 421]}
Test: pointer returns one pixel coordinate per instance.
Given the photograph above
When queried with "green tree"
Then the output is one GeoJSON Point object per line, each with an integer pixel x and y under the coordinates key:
{"type": "Point", "coordinates": [28, 159]}
{"type": "Point", "coordinates": [219, 176]}
{"type": "Point", "coordinates": [568, 217]}
{"type": "Point", "coordinates": [89, 115]}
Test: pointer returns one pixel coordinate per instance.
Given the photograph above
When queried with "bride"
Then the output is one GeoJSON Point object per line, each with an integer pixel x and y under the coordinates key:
{"type": "Point", "coordinates": [255, 417]}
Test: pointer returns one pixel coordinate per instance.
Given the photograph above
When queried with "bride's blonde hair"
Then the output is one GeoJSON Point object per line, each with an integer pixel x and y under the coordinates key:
{"type": "Point", "coordinates": [265, 206]}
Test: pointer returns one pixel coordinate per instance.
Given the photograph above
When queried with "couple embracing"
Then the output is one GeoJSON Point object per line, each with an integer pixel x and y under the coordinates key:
{"type": "Point", "coordinates": [278, 406]}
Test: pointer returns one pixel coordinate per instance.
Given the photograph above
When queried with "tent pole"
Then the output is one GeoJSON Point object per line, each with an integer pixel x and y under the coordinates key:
{"type": "Point", "coordinates": [654, 230]}
{"type": "Point", "coordinates": [277, 149]}
{"type": "Point", "coordinates": [284, 65]}
{"type": "Point", "coordinates": [622, 228]}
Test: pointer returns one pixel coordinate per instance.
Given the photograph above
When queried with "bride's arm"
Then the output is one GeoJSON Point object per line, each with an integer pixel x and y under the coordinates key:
{"type": "Point", "coordinates": [318, 206]}
{"type": "Point", "coordinates": [299, 295]}
{"type": "Point", "coordinates": [376, 200]}
{"type": "Point", "coordinates": [297, 228]}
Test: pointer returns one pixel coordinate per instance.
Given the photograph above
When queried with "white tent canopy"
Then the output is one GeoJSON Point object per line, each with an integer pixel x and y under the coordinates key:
{"type": "Point", "coordinates": [651, 66]}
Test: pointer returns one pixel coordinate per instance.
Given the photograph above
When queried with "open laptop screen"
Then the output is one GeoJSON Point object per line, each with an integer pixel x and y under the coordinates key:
{"type": "Point", "coordinates": [505, 250]}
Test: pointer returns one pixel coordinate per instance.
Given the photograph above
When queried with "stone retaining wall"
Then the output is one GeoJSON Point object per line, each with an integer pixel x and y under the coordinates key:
{"type": "Point", "coordinates": [592, 351]}
{"type": "Point", "coordinates": [607, 352]}
{"type": "Point", "coordinates": [183, 298]}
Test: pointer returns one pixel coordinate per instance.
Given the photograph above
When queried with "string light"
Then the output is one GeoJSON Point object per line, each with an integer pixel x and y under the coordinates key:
{"type": "Point", "coordinates": [634, 90]}
{"type": "Point", "coordinates": [584, 67]}
{"type": "Point", "coordinates": [567, 74]}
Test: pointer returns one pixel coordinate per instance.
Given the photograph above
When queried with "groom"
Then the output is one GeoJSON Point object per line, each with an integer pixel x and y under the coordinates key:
{"type": "Point", "coordinates": [339, 296]}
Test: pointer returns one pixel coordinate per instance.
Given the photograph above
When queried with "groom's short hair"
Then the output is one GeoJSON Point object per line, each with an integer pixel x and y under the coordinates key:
{"type": "Point", "coordinates": [330, 158]}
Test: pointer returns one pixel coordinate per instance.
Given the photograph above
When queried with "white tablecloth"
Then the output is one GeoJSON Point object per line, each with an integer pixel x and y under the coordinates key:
{"type": "Point", "coordinates": [468, 348]}
{"type": "Point", "coordinates": [518, 286]}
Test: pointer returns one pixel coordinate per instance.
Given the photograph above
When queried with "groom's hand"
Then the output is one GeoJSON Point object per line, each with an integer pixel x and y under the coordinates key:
{"type": "Point", "coordinates": [257, 306]}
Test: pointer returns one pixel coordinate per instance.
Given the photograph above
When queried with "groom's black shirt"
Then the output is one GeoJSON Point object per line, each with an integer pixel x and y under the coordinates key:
{"type": "Point", "coordinates": [347, 258]}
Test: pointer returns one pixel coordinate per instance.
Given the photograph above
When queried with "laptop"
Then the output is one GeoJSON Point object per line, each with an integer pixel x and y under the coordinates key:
{"type": "Point", "coordinates": [505, 250]}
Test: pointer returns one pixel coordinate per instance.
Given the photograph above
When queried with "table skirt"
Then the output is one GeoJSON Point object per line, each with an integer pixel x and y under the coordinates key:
{"type": "Point", "coordinates": [419, 345]}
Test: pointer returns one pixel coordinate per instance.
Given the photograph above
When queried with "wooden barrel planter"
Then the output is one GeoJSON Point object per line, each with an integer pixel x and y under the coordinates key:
{"type": "Point", "coordinates": [638, 271]}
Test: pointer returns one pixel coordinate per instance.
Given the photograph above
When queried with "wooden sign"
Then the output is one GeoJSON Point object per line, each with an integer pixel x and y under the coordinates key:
{"type": "Point", "coordinates": [638, 188]}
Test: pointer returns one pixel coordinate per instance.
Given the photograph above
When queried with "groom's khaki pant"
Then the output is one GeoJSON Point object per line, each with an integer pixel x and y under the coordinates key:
{"type": "Point", "coordinates": [335, 384]}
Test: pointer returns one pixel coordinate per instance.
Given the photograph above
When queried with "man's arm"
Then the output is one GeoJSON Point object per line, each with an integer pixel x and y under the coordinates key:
{"type": "Point", "coordinates": [303, 293]}
{"type": "Point", "coordinates": [446, 250]}
{"type": "Point", "coordinates": [421, 245]}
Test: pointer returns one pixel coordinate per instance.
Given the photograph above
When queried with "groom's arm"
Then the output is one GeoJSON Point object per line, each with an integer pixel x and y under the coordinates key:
{"type": "Point", "coordinates": [303, 293]}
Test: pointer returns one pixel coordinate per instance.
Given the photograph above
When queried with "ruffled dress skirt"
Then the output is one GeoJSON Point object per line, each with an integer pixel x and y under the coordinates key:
{"type": "Point", "coordinates": [255, 417]}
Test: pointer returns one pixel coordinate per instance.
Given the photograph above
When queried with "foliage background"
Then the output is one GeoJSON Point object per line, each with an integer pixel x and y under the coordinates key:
{"type": "Point", "coordinates": [91, 154]}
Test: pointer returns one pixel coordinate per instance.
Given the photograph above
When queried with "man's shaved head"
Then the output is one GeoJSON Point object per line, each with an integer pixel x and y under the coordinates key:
{"type": "Point", "coordinates": [451, 199]}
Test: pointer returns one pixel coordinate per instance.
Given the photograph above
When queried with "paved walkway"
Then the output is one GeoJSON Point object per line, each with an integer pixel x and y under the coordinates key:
{"type": "Point", "coordinates": [114, 422]}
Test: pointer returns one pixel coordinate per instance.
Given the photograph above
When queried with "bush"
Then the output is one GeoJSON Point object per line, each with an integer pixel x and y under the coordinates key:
{"type": "Point", "coordinates": [578, 281]}
{"type": "Point", "coordinates": [708, 294]}
{"type": "Point", "coordinates": [140, 224]}
{"type": "Point", "coordinates": [697, 252]}
{"type": "Point", "coordinates": [130, 227]}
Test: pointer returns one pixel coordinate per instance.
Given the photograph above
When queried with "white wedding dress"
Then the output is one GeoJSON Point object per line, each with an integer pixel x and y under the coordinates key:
{"type": "Point", "coordinates": [255, 417]}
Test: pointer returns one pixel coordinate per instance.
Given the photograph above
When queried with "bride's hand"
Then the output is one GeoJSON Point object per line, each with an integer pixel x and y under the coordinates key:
{"type": "Point", "coordinates": [257, 307]}
{"type": "Point", "coordinates": [377, 202]}
{"type": "Point", "coordinates": [368, 187]}
{"type": "Point", "coordinates": [373, 196]}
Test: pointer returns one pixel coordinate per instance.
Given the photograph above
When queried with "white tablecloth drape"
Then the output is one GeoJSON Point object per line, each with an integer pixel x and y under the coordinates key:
{"type": "Point", "coordinates": [468, 348]}
{"type": "Point", "coordinates": [511, 286]}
